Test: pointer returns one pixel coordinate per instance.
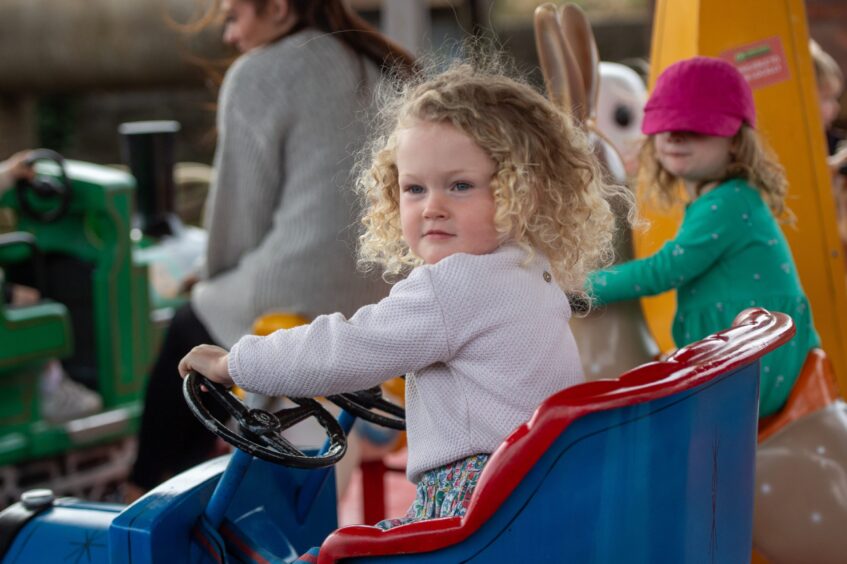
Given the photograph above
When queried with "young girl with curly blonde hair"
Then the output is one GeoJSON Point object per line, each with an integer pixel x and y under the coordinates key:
{"type": "Point", "coordinates": [729, 253]}
{"type": "Point", "coordinates": [491, 204]}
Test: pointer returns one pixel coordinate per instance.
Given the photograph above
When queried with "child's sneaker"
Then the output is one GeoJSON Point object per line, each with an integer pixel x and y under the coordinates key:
{"type": "Point", "coordinates": [62, 399]}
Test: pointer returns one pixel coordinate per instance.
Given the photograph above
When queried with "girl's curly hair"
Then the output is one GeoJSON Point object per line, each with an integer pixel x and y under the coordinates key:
{"type": "Point", "coordinates": [550, 192]}
{"type": "Point", "coordinates": [752, 160]}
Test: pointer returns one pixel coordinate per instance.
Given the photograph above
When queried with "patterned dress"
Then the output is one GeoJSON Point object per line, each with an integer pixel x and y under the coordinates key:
{"type": "Point", "coordinates": [442, 492]}
{"type": "Point", "coordinates": [728, 255]}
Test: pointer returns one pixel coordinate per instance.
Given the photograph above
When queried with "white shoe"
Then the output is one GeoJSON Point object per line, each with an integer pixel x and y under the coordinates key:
{"type": "Point", "coordinates": [63, 399]}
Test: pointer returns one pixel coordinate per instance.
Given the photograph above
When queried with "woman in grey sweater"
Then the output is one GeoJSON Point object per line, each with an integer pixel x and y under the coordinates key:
{"type": "Point", "coordinates": [281, 215]}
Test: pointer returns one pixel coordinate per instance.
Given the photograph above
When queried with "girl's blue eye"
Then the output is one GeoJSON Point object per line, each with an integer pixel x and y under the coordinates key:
{"type": "Point", "coordinates": [415, 189]}
{"type": "Point", "coordinates": [462, 186]}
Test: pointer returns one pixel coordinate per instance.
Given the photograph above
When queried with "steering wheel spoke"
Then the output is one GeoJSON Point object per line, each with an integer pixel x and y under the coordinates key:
{"type": "Point", "coordinates": [230, 403]}
{"type": "Point", "coordinates": [281, 444]}
{"type": "Point", "coordinates": [291, 416]}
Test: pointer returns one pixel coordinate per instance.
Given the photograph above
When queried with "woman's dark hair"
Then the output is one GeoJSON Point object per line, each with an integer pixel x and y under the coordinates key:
{"type": "Point", "coordinates": [333, 16]}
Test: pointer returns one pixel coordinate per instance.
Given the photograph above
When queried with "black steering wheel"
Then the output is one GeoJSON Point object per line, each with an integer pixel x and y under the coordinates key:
{"type": "Point", "coordinates": [260, 432]}
{"type": "Point", "coordinates": [43, 189]}
{"type": "Point", "coordinates": [368, 404]}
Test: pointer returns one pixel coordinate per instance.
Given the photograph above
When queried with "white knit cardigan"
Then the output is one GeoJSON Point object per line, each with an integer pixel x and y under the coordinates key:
{"type": "Point", "coordinates": [482, 339]}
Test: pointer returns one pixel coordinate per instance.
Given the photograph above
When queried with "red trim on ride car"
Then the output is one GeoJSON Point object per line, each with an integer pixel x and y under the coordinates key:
{"type": "Point", "coordinates": [233, 537]}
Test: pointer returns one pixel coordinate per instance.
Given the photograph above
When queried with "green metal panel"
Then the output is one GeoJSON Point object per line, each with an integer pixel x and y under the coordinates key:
{"type": "Point", "coordinates": [97, 230]}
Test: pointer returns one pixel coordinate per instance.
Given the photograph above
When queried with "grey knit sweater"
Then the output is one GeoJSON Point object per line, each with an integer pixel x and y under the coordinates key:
{"type": "Point", "coordinates": [281, 215]}
{"type": "Point", "coordinates": [483, 340]}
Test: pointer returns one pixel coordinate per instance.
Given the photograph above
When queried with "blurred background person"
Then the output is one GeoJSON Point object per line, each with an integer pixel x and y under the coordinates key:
{"type": "Point", "coordinates": [829, 80]}
{"type": "Point", "coordinates": [61, 399]}
{"type": "Point", "coordinates": [281, 215]}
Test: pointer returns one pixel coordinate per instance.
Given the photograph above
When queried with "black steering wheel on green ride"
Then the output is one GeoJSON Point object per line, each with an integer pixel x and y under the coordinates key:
{"type": "Point", "coordinates": [45, 198]}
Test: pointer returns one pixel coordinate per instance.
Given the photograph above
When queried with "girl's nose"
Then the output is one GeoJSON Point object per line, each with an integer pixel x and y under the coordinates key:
{"type": "Point", "coordinates": [434, 208]}
{"type": "Point", "coordinates": [230, 37]}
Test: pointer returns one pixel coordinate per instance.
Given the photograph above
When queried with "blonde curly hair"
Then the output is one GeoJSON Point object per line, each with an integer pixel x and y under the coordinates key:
{"type": "Point", "coordinates": [550, 193]}
{"type": "Point", "coordinates": [751, 160]}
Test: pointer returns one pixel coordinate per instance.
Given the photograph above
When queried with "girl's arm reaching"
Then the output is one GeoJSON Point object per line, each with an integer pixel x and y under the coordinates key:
{"type": "Point", "coordinates": [710, 227]}
{"type": "Point", "coordinates": [402, 333]}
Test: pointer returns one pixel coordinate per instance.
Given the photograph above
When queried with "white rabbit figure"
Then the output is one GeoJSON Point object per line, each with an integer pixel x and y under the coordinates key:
{"type": "Point", "coordinates": [620, 110]}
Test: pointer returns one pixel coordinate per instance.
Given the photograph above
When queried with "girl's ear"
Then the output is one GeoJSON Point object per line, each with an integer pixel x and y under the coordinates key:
{"type": "Point", "coordinates": [279, 10]}
{"type": "Point", "coordinates": [735, 146]}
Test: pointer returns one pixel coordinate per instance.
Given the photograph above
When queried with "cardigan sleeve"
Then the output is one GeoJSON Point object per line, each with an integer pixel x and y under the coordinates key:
{"type": "Point", "coordinates": [705, 235]}
{"type": "Point", "coordinates": [402, 333]}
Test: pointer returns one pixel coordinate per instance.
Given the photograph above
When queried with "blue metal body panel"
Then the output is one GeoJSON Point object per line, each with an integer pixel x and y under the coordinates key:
{"type": "Point", "coordinates": [261, 521]}
{"type": "Point", "coordinates": [72, 531]}
{"type": "Point", "coordinates": [638, 484]}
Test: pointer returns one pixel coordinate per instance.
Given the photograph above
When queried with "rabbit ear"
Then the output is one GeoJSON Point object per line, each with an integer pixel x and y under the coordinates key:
{"type": "Point", "coordinates": [579, 38]}
{"type": "Point", "coordinates": [552, 55]}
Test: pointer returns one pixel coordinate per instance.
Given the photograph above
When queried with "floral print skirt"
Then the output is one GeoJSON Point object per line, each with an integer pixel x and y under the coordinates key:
{"type": "Point", "coordinates": [443, 492]}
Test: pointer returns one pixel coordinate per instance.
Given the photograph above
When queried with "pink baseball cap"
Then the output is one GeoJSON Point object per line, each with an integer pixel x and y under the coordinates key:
{"type": "Point", "coordinates": [701, 94]}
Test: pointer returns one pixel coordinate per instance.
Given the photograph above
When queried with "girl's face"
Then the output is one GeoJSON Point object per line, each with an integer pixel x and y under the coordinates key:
{"type": "Point", "coordinates": [693, 157]}
{"type": "Point", "coordinates": [829, 92]}
{"type": "Point", "coordinates": [446, 204]}
{"type": "Point", "coordinates": [245, 28]}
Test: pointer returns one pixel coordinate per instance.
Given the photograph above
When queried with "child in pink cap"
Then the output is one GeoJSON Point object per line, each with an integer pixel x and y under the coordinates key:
{"type": "Point", "coordinates": [729, 254]}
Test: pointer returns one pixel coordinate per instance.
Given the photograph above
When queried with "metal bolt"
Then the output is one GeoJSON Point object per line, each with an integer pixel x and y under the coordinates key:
{"type": "Point", "coordinates": [37, 499]}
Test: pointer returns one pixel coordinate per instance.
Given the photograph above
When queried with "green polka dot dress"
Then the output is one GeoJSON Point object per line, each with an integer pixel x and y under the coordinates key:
{"type": "Point", "coordinates": [728, 255]}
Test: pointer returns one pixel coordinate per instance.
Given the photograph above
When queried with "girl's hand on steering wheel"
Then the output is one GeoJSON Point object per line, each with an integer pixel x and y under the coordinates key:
{"type": "Point", "coordinates": [208, 360]}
